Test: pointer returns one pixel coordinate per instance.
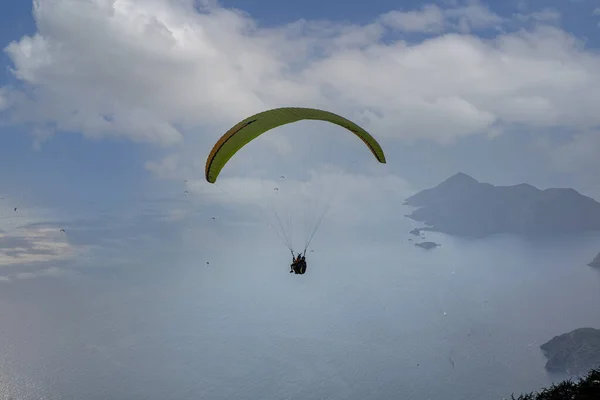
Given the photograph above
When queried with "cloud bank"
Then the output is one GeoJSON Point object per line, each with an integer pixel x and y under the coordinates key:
{"type": "Point", "coordinates": [152, 70]}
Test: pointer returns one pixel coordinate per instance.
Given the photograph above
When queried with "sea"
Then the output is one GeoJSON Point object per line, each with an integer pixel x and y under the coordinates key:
{"type": "Point", "coordinates": [201, 316]}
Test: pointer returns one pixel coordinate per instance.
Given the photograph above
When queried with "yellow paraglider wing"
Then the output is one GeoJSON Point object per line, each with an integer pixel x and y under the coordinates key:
{"type": "Point", "coordinates": [252, 127]}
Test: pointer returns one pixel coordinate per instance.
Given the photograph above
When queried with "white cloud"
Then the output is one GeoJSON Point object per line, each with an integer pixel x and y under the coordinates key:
{"type": "Point", "coordinates": [433, 19]}
{"type": "Point", "coordinates": [473, 16]}
{"type": "Point", "coordinates": [357, 196]}
{"type": "Point", "coordinates": [167, 168]}
{"type": "Point", "coordinates": [53, 271]}
{"type": "Point", "coordinates": [429, 19]}
{"type": "Point", "coordinates": [33, 245]}
{"type": "Point", "coordinates": [24, 240]}
{"type": "Point", "coordinates": [547, 15]}
{"type": "Point", "coordinates": [44, 272]}
{"type": "Point", "coordinates": [40, 137]}
{"type": "Point", "coordinates": [335, 201]}
{"type": "Point", "coordinates": [149, 70]}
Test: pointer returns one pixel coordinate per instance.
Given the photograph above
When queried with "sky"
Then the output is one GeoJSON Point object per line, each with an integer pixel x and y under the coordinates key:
{"type": "Point", "coordinates": [108, 109]}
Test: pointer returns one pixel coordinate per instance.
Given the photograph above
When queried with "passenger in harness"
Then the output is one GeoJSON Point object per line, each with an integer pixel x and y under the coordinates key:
{"type": "Point", "coordinates": [298, 265]}
{"type": "Point", "coordinates": [302, 266]}
{"type": "Point", "coordinates": [294, 264]}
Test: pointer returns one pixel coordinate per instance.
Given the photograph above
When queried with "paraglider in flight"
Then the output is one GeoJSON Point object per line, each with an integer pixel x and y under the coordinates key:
{"type": "Point", "coordinates": [252, 127]}
{"type": "Point", "coordinates": [15, 209]}
{"type": "Point", "coordinates": [62, 230]}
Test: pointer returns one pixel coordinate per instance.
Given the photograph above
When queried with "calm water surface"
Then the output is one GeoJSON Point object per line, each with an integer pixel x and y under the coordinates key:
{"type": "Point", "coordinates": [374, 318]}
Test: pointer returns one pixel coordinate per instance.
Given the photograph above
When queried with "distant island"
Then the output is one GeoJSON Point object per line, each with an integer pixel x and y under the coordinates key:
{"type": "Point", "coordinates": [462, 206]}
{"type": "Point", "coordinates": [575, 352]}
{"type": "Point", "coordinates": [416, 232]}
{"type": "Point", "coordinates": [595, 262]}
{"type": "Point", "coordinates": [428, 245]}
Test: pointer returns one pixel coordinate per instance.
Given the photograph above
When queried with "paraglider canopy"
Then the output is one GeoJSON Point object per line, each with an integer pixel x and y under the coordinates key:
{"type": "Point", "coordinates": [252, 127]}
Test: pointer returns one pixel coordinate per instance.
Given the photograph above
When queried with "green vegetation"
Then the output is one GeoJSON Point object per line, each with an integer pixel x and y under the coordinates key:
{"type": "Point", "coordinates": [588, 388]}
